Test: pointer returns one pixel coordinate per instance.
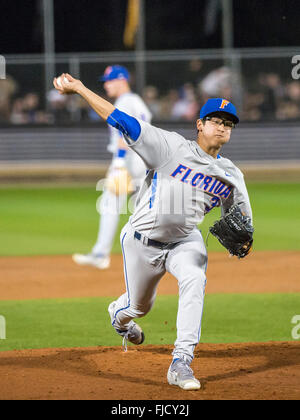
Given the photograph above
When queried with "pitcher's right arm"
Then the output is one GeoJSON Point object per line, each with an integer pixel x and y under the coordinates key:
{"type": "Point", "coordinates": [154, 145]}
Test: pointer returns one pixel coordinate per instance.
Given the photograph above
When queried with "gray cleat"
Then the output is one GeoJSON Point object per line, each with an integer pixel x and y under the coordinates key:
{"type": "Point", "coordinates": [133, 333]}
{"type": "Point", "coordinates": [181, 374]}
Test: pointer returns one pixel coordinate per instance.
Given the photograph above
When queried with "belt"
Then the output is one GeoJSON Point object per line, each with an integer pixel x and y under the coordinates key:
{"type": "Point", "coordinates": [151, 242]}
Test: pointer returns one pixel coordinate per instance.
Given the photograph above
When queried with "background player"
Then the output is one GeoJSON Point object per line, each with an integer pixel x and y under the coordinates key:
{"type": "Point", "coordinates": [158, 239]}
{"type": "Point", "coordinates": [124, 162]}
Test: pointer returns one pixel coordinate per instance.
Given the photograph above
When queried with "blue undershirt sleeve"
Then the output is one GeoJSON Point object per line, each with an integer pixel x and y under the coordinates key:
{"type": "Point", "coordinates": [128, 125]}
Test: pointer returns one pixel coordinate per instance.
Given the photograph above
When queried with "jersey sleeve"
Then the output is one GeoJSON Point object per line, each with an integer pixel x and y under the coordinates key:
{"type": "Point", "coordinates": [133, 105]}
{"type": "Point", "coordinates": [239, 196]}
{"type": "Point", "coordinates": [126, 103]}
{"type": "Point", "coordinates": [154, 145]}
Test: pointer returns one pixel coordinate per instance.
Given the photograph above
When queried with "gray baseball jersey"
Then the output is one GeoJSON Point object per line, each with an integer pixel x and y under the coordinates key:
{"type": "Point", "coordinates": [183, 184]}
{"type": "Point", "coordinates": [133, 105]}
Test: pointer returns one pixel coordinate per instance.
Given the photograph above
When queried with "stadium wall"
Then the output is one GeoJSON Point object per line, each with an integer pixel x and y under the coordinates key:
{"type": "Point", "coordinates": [80, 152]}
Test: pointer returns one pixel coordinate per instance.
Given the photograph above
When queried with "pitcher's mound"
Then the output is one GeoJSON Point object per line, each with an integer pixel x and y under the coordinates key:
{"type": "Point", "coordinates": [226, 371]}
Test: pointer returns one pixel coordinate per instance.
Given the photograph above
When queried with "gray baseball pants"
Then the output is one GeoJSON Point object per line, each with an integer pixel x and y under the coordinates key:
{"type": "Point", "coordinates": [145, 265]}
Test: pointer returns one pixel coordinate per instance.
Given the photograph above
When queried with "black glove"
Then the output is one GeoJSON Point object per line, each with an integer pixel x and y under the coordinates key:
{"type": "Point", "coordinates": [235, 232]}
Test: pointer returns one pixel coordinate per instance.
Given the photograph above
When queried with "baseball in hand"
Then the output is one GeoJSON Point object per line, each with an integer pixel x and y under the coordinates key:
{"type": "Point", "coordinates": [58, 81]}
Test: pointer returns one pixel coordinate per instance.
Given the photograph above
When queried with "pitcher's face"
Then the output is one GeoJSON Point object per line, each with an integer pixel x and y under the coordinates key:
{"type": "Point", "coordinates": [215, 130]}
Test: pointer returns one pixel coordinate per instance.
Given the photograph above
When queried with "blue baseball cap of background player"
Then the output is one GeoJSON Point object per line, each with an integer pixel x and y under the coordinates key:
{"type": "Point", "coordinates": [115, 72]}
{"type": "Point", "coordinates": [216, 105]}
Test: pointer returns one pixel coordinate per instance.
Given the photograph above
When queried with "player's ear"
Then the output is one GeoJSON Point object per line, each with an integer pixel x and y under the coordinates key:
{"type": "Point", "coordinates": [199, 125]}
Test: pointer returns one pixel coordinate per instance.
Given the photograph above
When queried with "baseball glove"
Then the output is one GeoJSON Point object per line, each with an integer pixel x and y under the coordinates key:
{"type": "Point", "coordinates": [119, 181]}
{"type": "Point", "coordinates": [234, 231]}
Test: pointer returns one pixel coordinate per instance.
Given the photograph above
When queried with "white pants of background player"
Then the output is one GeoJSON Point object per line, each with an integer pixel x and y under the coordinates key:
{"type": "Point", "coordinates": [144, 266]}
{"type": "Point", "coordinates": [112, 206]}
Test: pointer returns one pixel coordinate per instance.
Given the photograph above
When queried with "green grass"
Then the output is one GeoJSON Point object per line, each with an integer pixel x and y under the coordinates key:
{"type": "Point", "coordinates": [49, 221]}
{"type": "Point", "coordinates": [84, 322]}
{"type": "Point", "coordinates": [37, 221]}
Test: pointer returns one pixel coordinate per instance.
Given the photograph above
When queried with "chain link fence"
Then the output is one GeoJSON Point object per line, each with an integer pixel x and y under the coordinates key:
{"type": "Point", "coordinates": [263, 84]}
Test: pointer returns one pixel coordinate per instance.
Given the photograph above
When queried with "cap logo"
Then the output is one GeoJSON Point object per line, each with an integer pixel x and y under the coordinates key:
{"type": "Point", "coordinates": [224, 103]}
{"type": "Point", "coordinates": [108, 70]}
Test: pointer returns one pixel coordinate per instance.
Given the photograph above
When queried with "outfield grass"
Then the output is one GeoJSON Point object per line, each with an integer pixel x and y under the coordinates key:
{"type": "Point", "coordinates": [49, 221]}
{"type": "Point", "coordinates": [85, 322]}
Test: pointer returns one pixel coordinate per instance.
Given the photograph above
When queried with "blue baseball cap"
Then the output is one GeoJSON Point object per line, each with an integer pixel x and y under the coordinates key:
{"type": "Point", "coordinates": [219, 105]}
{"type": "Point", "coordinates": [115, 72]}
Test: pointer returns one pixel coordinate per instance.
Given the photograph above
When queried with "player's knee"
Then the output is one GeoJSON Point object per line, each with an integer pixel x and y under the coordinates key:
{"type": "Point", "coordinates": [141, 310]}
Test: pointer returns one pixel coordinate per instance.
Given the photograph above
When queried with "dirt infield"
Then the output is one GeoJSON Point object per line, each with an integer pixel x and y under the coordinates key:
{"type": "Point", "coordinates": [58, 277]}
{"type": "Point", "coordinates": [227, 371]}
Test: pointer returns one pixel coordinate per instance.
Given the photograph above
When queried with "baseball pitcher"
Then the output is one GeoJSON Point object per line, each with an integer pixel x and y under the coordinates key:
{"type": "Point", "coordinates": [126, 170]}
{"type": "Point", "coordinates": [186, 180]}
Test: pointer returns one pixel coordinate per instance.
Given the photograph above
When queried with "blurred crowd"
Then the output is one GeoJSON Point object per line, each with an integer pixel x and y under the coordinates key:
{"type": "Point", "coordinates": [266, 97]}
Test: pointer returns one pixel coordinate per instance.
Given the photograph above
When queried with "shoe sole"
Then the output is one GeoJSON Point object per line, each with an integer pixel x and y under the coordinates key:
{"type": "Point", "coordinates": [103, 266]}
{"type": "Point", "coordinates": [187, 385]}
{"type": "Point", "coordinates": [143, 338]}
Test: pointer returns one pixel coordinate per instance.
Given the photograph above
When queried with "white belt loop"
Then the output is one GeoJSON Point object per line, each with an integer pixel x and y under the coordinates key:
{"type": "Point", "coordinates": [144, 240]}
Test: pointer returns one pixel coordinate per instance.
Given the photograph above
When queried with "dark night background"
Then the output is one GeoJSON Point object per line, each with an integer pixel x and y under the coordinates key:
{"type": "Point", "coordinates": [95, 25]}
